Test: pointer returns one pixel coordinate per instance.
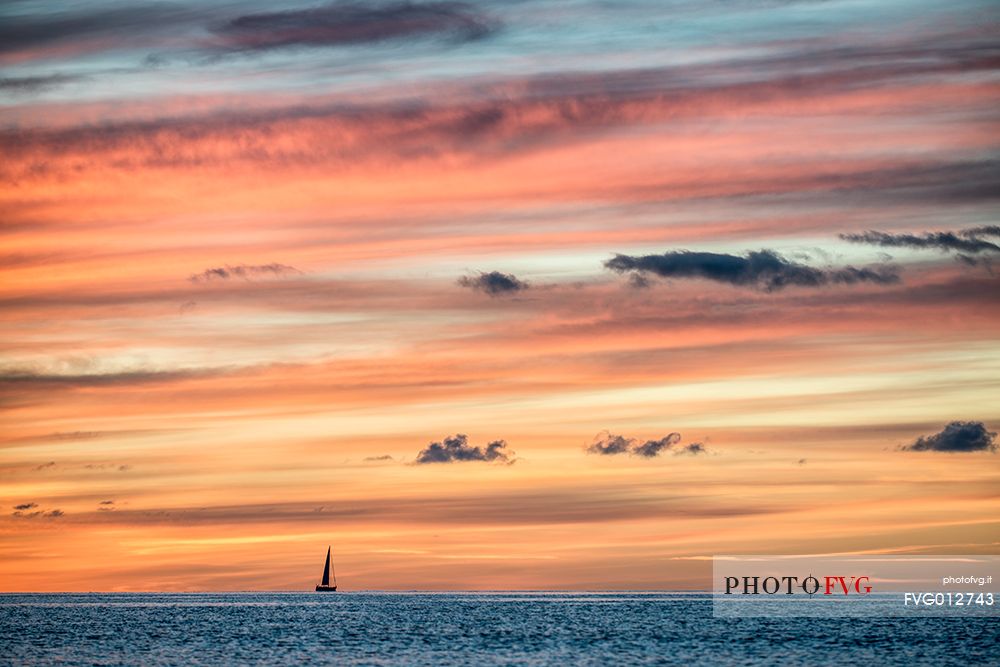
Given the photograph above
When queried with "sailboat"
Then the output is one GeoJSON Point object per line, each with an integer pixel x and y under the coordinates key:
{"type": "Point", "coordinates": [324, 586]}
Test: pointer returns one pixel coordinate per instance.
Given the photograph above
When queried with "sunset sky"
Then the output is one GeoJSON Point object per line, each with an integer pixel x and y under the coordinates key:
{"type": "Point", "coordinates": [257, 257]}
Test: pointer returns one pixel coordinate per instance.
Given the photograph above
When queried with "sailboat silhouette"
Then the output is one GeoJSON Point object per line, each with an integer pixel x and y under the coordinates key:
{"type": "Point", "coordinates": [324, 586]}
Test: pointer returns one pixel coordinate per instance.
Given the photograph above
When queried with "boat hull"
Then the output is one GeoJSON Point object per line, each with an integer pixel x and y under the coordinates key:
{"type": "Point", "coordinates": [320, 588]}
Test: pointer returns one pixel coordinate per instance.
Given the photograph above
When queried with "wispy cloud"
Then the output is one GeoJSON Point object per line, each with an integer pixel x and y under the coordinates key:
{"type": "Point", "coordinates": [590, 503]}
{"type": "Point", "coordinates": [243, 271]}
{"type": "Point", "coordinates": [355, 23]}
{"type": "Point", "coordinates": [964, 241]}
{"type": "Point", "coordinates": [119, 467]}
{"type": "Point", "coordinates": [32, 84]}
{"type": "Point", "coordinates": [45, 379]}
{"type": "Point", "coordinates": [512, 115]}
{"type": "Point", "coordinates": [761, 269]}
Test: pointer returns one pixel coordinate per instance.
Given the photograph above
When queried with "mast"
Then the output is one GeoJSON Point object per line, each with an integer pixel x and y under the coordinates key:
{"type": "Point", "coordinates": [326, 569]}
{"type": "Point", "coordinates": [332, 569]}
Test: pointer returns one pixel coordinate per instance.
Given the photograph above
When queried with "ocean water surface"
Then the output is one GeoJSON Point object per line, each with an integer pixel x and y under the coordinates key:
{"type": "Point", "coordinates": [439, 629]}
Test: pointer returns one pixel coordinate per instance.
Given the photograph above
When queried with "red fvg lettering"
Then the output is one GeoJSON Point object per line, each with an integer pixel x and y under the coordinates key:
{"type": "Point", "coordinates": [847, 587]}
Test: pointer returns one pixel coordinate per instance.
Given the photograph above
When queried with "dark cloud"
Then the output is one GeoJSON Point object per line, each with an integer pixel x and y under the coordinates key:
{"type": "Point", "coordinates": [652, 448]}
{"type": "Point", "coordinates": [694, 448]}
{"type": "Point", "coordinates": [22, 511]}
{"type": "Point", "coordinates": [107, 502]}
{"type": "Point", "coordinates": [244, 271]}
{"type": "Point", "coordinates": [957, 437]}
{"type": "Point", "coordinates": [987, 230]}
{"type": "Point", "coordinates": [762, 269]}
{"type": "Point", "coordinates": [79, 30]}
{"type": "Point", "coordinates": [43, 466]}
{"type": "Point", "coordinates": [32, 31]}
{"type": "Point", "coordinates": [494, 283]}
{"type": "Point", "coordinates": [456, 448]}
{"type": "Point", "coordinates": [609, 444]}
{"type": "Point", "coordinates": [383, 457]}
{"type": "Point", "coordinates": [966, 241]}
{"type": "Point", "coordinates": [355, 23]}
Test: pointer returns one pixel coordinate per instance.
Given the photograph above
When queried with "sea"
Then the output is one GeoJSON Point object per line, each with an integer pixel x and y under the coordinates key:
{"type": "Point", "coordinates": [443, 629]}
